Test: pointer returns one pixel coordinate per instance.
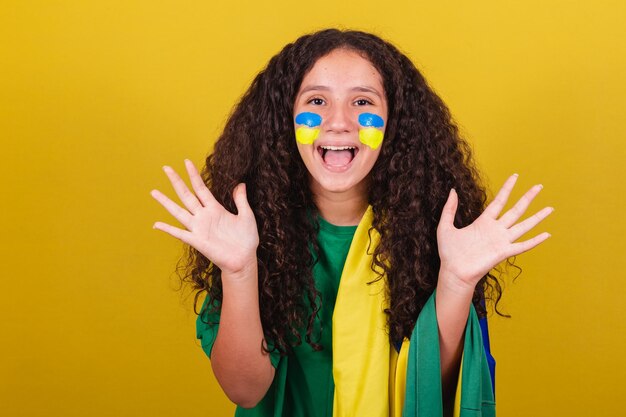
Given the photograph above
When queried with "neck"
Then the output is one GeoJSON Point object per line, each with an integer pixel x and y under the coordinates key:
{"type": "Point", "coordinates": [341, 208]}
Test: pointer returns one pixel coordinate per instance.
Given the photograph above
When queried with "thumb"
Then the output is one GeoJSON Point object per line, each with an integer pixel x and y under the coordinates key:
{"type": "Point", "coordinates": [449, 210]}
{"type": "Point", "coordinates": [241, 199]}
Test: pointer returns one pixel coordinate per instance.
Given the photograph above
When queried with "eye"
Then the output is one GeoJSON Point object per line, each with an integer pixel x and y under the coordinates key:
{"type": "Point", "coordinates": [316, 101]}
{"type": "Point", "coordinates": [362, 102]}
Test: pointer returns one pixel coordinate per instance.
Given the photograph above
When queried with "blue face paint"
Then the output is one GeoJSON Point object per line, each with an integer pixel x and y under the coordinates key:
{"type": "Point", "coordinates": [371, 120]}
{"type": "Point", "coordinates": [309, 119]}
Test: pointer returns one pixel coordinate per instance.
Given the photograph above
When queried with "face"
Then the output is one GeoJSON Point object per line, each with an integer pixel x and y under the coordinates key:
{"type": "Point", "coordinates": [340, 115]}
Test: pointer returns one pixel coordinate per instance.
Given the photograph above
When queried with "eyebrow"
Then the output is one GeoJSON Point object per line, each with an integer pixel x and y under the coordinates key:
{"type": "Point", "coordinates": [364, 89]}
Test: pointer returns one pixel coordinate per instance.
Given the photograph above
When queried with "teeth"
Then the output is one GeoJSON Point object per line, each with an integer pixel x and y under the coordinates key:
{"type": "Point", "coordinates": [337, 148]}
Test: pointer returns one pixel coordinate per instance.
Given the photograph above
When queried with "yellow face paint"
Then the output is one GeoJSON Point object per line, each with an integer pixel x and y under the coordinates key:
{"type": "Point", "coordinates": [307, 133]}
{"type": "Point", "coordinates": [371, 137]}
{"type": "Point", "coordinates": [370, 134]}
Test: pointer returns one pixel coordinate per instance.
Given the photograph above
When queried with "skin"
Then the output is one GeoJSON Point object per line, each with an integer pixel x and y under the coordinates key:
{"type": "Point", "coordinates": [339, 87]}
{"type": "Point", "coordinates": [468, 254]}
{"type": "Point", "coordinates": [242, 368]}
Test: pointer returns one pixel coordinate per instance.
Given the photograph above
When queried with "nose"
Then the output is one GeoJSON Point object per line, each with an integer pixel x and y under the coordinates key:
{"type": "Point", "coordinates": [339, 120]}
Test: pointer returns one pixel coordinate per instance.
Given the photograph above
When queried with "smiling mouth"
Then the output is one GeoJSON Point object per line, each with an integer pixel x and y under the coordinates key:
{"type": "Point", "coordinates": [337, 156]}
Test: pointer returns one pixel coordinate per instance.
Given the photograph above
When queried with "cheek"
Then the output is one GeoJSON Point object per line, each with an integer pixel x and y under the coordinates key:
{"type": "Point", "coordinates": [368, 159]}
{"type": "Point", "coordinates": [370, 133]}
{"type": "Point", "coordinates": [307, 127]}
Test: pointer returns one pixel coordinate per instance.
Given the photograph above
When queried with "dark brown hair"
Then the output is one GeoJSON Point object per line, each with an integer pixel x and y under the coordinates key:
{"type": "Point", "coordinates": [421, 159]}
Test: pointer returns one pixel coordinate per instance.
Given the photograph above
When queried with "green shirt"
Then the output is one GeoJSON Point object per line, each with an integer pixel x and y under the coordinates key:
{"type": "Point", "coordinates": [303, 385]}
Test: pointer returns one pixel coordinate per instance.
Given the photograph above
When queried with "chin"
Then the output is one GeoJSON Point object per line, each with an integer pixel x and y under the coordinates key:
{"type": "Point", "coordinates": [338, 185]}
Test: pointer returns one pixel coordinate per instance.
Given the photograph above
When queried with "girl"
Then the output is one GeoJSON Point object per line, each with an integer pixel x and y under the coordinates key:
{"type": "Point", "coordinates": [343, 240]}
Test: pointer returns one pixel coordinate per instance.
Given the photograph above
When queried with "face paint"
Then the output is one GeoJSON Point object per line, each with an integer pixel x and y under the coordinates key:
{"type": "Point", "coordinates": [307, 133]}
{"type": "Point", "coordinates": [370, 134]}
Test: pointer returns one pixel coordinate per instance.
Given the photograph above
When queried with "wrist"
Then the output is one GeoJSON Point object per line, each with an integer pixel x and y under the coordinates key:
{"type": "Point", "coordinates": [245, 270]}
{"type": "Point", "coordinates": [449, 282]}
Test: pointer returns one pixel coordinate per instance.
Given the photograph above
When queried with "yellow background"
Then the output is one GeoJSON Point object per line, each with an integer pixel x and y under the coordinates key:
{"type": "Point", "coordinates": [96, 96]}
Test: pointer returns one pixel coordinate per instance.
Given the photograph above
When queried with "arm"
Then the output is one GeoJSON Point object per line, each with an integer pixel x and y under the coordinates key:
{"type": "Point", "coordinates": [242, 368]}
{"type": "Point", "coordinates": [468, 254]}
{"type": "Point", "coordinates": [230, 242]}
{"type": "Point", "coordinates": [452, 305]}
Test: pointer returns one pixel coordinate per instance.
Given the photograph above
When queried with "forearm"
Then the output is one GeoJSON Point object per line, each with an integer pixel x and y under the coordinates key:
{"type": "Point", "coordinates": [452, 305]}
{"type": "Point", "coordinates": [240, 365]}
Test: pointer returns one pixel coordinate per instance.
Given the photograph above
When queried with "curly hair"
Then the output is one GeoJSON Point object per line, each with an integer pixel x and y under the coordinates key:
{"type": "Point", "coordinates": [421, 159]}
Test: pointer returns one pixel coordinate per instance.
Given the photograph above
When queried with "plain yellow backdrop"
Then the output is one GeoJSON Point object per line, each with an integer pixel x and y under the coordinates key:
{"type": "Point", "coordinates": [96, 96]}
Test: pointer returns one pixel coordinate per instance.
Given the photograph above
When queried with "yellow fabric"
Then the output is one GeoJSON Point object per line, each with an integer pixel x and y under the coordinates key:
{"type": "Point", "coordinates": [370, 376]}
{"type": "Point", "coordinates": [397, 382]}
{"type": "Point", "coordinates": [361, 352]}
{"type": "Point", "coordinates": [457, 395]}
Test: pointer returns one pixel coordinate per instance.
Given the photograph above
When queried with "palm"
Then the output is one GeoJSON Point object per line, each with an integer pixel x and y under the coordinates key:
{"type": "Point", "coordinates": [221, 234]}
{"type": "Point", "coordinates": [471, 252]}
{"type": "Point", "coordinates": [226, 239]}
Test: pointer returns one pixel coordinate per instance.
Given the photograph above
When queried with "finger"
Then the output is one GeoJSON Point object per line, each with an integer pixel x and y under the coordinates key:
{"type": "Point", "coordinates": [449, 210]}
{"type": "Point", "coordinates": [199, 187]}
{"type": "Point", "coordinates": [187, 197]}
{"type": "Point", "coordinates": [241, 199]}
{"type": "Point", "coordinates": [524, 227]}
{"type": "Point", "coordinates": [521, 247]}
{"type": "Point", "coordinates": [493, 210]}
{"type": "Point", "coordinates": [179, 234]}
{"type": "Point", "coordinates": [174, 209]}
{"type": "Point", "coordinates": [509, 218]}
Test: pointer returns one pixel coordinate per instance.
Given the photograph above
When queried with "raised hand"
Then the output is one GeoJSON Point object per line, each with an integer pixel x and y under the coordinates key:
{"type": "Point", "coordinates": [469, 253]}
{"type": "Point", "coordinates": [229, 241]}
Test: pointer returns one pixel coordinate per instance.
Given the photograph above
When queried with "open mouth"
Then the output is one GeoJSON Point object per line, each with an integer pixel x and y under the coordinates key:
{"type": "Point", "coordinates": [337, 156]}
